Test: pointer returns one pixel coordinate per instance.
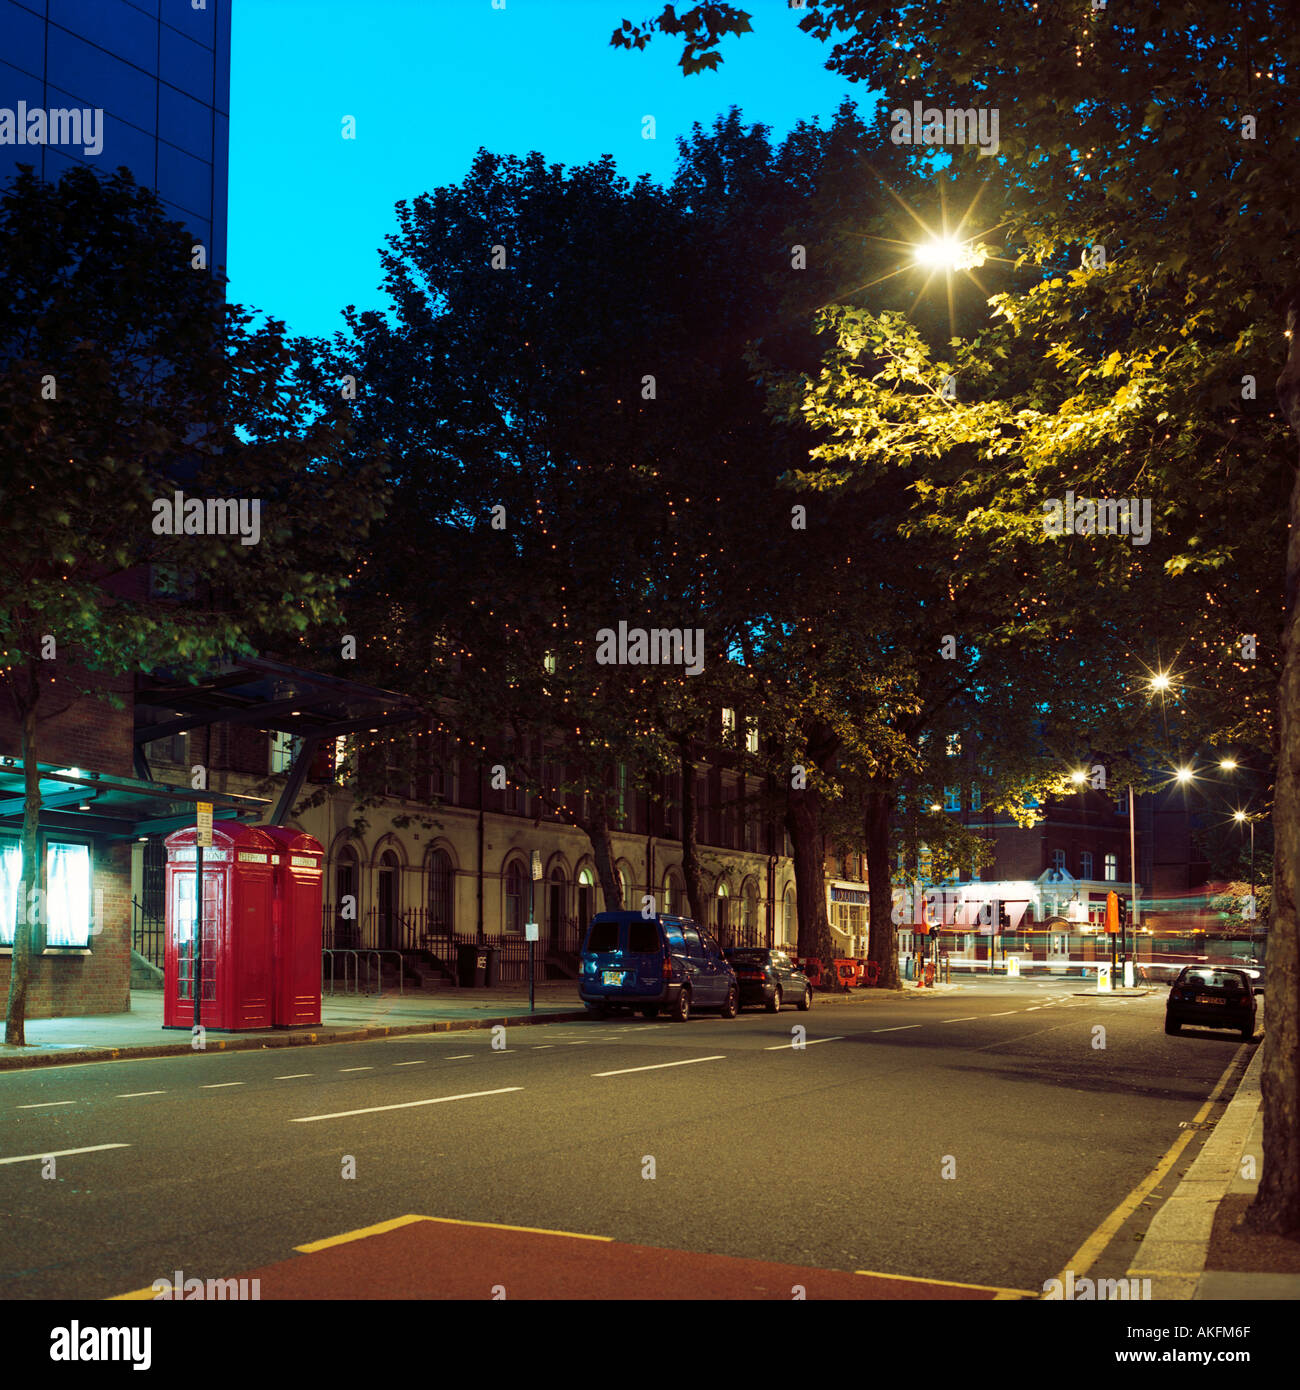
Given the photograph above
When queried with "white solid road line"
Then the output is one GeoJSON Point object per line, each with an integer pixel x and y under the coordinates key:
{"type": "Point", "coordinates": [658, 1066]}
{"type": "Point", "coordinates": [131, 1095]}
{"type": "Point", "coordinates": [902, 1027]}
{"type": "Point", "coordinates": [810, 1042]}
{"type": "Point", "coordinates": [405, 1105]}
{"type": "Point", "coordinates": [43, 1104]}
{"type": "Point", "coordinates": [62, 1153]}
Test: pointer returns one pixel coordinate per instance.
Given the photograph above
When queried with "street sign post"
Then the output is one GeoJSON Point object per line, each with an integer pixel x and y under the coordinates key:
{"type": "Point", "coordinates": [202, 841]}
{"type": "Point", "coordinates": [530, 927]}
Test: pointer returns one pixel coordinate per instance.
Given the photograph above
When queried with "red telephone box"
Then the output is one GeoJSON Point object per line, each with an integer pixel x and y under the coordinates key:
{"type": "Point", "coordinates": [299, 873]}
{"type": "Point", "coordinates": [238, 904]}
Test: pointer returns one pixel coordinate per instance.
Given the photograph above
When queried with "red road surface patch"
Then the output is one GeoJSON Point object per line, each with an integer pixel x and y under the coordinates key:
{"type": "Point", "coordinates": [429, 1258]}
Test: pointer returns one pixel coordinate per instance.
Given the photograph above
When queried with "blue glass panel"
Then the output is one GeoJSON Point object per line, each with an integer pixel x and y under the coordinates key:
{"type": "Point", "coordinates": [95, 78]}
{"type": "Point", "coordinates": [194, 24]}
{"type": "Point", "coordinates": [185, 122]}
{"type": "Point", "coordinates": [186, 64]}
{"type": "Point", "coordinates": [24, 42]}
{"type": "Point", "coordinates": [112, 24]}
{"type": "Point", "coordinates": [184, 180]}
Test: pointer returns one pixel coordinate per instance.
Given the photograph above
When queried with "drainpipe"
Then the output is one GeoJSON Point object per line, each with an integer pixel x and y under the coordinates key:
{"type": "Point", "coordinates": [771, 899]}
{"type": "Point", "coordinates": [650, 869]}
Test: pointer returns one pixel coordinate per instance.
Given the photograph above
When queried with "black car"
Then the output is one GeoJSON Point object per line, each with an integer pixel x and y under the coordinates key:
{"type": "Point", "coordinates": [769, 977]}
{"type": "Point", "coordinates": [1212, 996]}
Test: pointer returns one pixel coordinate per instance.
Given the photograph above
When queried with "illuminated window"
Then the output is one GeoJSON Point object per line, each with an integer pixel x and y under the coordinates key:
{"type": "Point", "coordinates": [952, 799]}
{"type": "Point", "coordinates": [976, 798]}
{"type": "Point", "coordinates": [67, 910]}
{"type": "Point", "coordinates": [1112, 868]}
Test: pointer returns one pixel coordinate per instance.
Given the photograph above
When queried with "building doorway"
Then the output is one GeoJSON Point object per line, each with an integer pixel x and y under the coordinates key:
{"type": "Point", "coordinates": [387, 896]}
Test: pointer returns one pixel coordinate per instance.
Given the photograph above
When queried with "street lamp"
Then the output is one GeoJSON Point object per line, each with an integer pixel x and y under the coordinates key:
{"type": "Point", "coordinates": [947, 253]}
{"type": "Point", "coordinates": [1240, 817]}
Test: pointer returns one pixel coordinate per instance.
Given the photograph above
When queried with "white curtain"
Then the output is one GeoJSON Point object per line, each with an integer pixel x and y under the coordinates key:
{"type": "Point", "coordinates": [68, 898]}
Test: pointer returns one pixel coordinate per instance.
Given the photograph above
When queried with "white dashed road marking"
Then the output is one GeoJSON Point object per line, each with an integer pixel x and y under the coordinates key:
{"type": "Point", "coordinates": [810, 1042]}
{"type": "Point", "coordinates": [131, 1095]}
{"type": "Point", "coordinates": [62, 1153]}
{"type": "Point", "coordinates": [43, 1104]}
{"type": "Point", "coordinates": [405, 1105]}
{"type": "Point", "coordinates": [902, 1027]}
{"type": "Point", "coordinates": [658, 1066]}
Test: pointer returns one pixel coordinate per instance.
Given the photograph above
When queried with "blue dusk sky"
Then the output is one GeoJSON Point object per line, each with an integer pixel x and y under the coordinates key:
{"type": "Point", "coordinates": [429, 82]}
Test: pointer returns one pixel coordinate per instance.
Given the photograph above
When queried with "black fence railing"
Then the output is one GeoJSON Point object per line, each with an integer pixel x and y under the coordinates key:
{"type": "Point", "coordinates": [148, 932]}
{"type": "Point", "coordinates": [417, 929]}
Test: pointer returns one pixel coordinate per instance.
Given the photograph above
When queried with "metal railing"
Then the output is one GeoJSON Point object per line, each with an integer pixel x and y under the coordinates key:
{"type": "Point", "coordinates": [148, 933]}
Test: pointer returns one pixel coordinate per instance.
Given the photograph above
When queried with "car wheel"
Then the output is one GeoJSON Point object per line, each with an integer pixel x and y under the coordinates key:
{"type": "Point", "coordinates": [597, 1011]}
{"type": "Point", "coordinates": [1248, 1034]}
{"type": "Point", "coordinates": [774, 1003]}
{"type": "Point", "coordinates": [682, 1006]}
{"type": "Point", "coordinates": [730, 1009]}
{"type": "Point", "coordinates": [650, 1013]}
{"type": "Point", "coordinates": [806, 1002]}
{"type": "Point", "coordinates": [1173, 1027]}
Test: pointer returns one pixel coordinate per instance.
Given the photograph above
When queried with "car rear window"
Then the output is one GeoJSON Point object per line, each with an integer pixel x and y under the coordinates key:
{"type": "Point", "coordinates": [735, 954]}
{"type": "Point", "coordinates": [643, 938]}
{"type": "Point", "coordinates": [1216, 979]}
{"type": "Point", "coordinates": [603, 936]}
{"type": "Point", "coordinates": [674, 934]}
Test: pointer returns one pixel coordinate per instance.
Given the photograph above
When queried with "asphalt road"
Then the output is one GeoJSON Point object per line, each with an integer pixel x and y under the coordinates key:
{"type": "Point", "coordinates": [976, 1137]}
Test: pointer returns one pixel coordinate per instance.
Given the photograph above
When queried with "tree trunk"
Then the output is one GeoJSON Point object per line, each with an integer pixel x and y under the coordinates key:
{"type": "Point", "coordinates": [29, 895]}
{"type": "Point", "coordinates": [1276, 1208]}
{"type": "Point", "coordinates": [882, 944]}
{"type": "Point", "coordinates": [803, 821]}
{"type": "Point", "coordinates": [690, 837]}
{"type": "Point", "coordinates": [602, 848]}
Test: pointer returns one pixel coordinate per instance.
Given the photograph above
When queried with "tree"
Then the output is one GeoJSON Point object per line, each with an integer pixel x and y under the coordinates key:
{"type": "Point", "coordinates": [124, 377]}
{"type": "Point", "coordinates": [1152, 151]}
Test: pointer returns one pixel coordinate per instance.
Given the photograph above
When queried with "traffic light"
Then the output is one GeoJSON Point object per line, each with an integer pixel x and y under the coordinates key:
{"type": "Point", "coordinates": [1123, 913]}
{"type": "Point", "coordinates": [1112, 912]}
{"type": "Point", "coordinates": [1004, 918]}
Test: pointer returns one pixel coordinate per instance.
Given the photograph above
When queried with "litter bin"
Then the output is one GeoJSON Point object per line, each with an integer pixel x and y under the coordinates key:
{"type": "Point", "coordinates": [493, 954]}
{"type": "Point", "coordinates": [471, 966]}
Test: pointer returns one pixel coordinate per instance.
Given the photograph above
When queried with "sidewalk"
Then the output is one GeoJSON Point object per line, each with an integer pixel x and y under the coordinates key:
{"type": "Point", "coordinates": [1195, 1247]}
{"type": "Point", "coordinates": [344, 1018]}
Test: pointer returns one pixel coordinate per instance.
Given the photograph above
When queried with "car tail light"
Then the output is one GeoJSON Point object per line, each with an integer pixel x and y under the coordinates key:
{"type": "Point", "coordinates": [668, 966]}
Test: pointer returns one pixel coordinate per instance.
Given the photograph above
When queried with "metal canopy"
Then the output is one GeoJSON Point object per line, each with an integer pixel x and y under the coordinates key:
{"type": "Point", "coordinates": [269, 695]}
{"type": "Point", "coordinates": [118, 808]}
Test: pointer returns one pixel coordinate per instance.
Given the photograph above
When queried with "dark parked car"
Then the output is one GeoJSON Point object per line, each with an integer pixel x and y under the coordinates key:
{"type": "Point", "coordinates": [1211, 996]}
{"type": "Point", "coordinates": [769, 977]}
{"type": "Point", "coordinates": [630, 961]}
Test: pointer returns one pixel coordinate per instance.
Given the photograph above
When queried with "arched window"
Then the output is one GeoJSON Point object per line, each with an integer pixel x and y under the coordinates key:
{"type": "Point", "coordinates": [791, 931]}
{"type": "Point", "coordinates": [586, 898]}
{"type": "Point", "coordinates": [557, 901]}
{"type": "Point", "coordinates": [674, 894]}
{"type": "Point", "coordinates": [722, 910]}
{"type": "Point", "coordinates": [625, 885]}
{"type": "Point", "coordinates": [441, 897]}
{"type": "Point", "coordinates": [347, 907]}
{"type": "Point", "coordinates": [388, 891]}
{"type": "Point", "coordinates": [514, 896]}
{"type": "Point", "coordinates": [749, 913]}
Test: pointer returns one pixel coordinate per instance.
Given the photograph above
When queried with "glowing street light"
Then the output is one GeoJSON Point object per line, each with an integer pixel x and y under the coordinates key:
{"type": "Point", "coordinates": [1229, 764]}
{"type": "Point", "coordinates": [947, 253]}
{"type": "Point", "coordinates": [1160, 681]}
{"type": "Point", "coordinates": [1184, 774]}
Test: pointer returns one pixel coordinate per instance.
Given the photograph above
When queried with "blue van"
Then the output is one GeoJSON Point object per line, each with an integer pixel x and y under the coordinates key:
{"type": "Point", "coordinates": [630, 961]}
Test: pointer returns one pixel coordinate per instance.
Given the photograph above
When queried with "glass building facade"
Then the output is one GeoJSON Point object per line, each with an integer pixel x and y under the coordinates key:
{"type": "Point", "coordinates": [157, 70]}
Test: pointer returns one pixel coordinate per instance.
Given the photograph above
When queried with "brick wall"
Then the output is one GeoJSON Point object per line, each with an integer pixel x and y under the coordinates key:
{"type": "Point", "coordinates": [89, 733]}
